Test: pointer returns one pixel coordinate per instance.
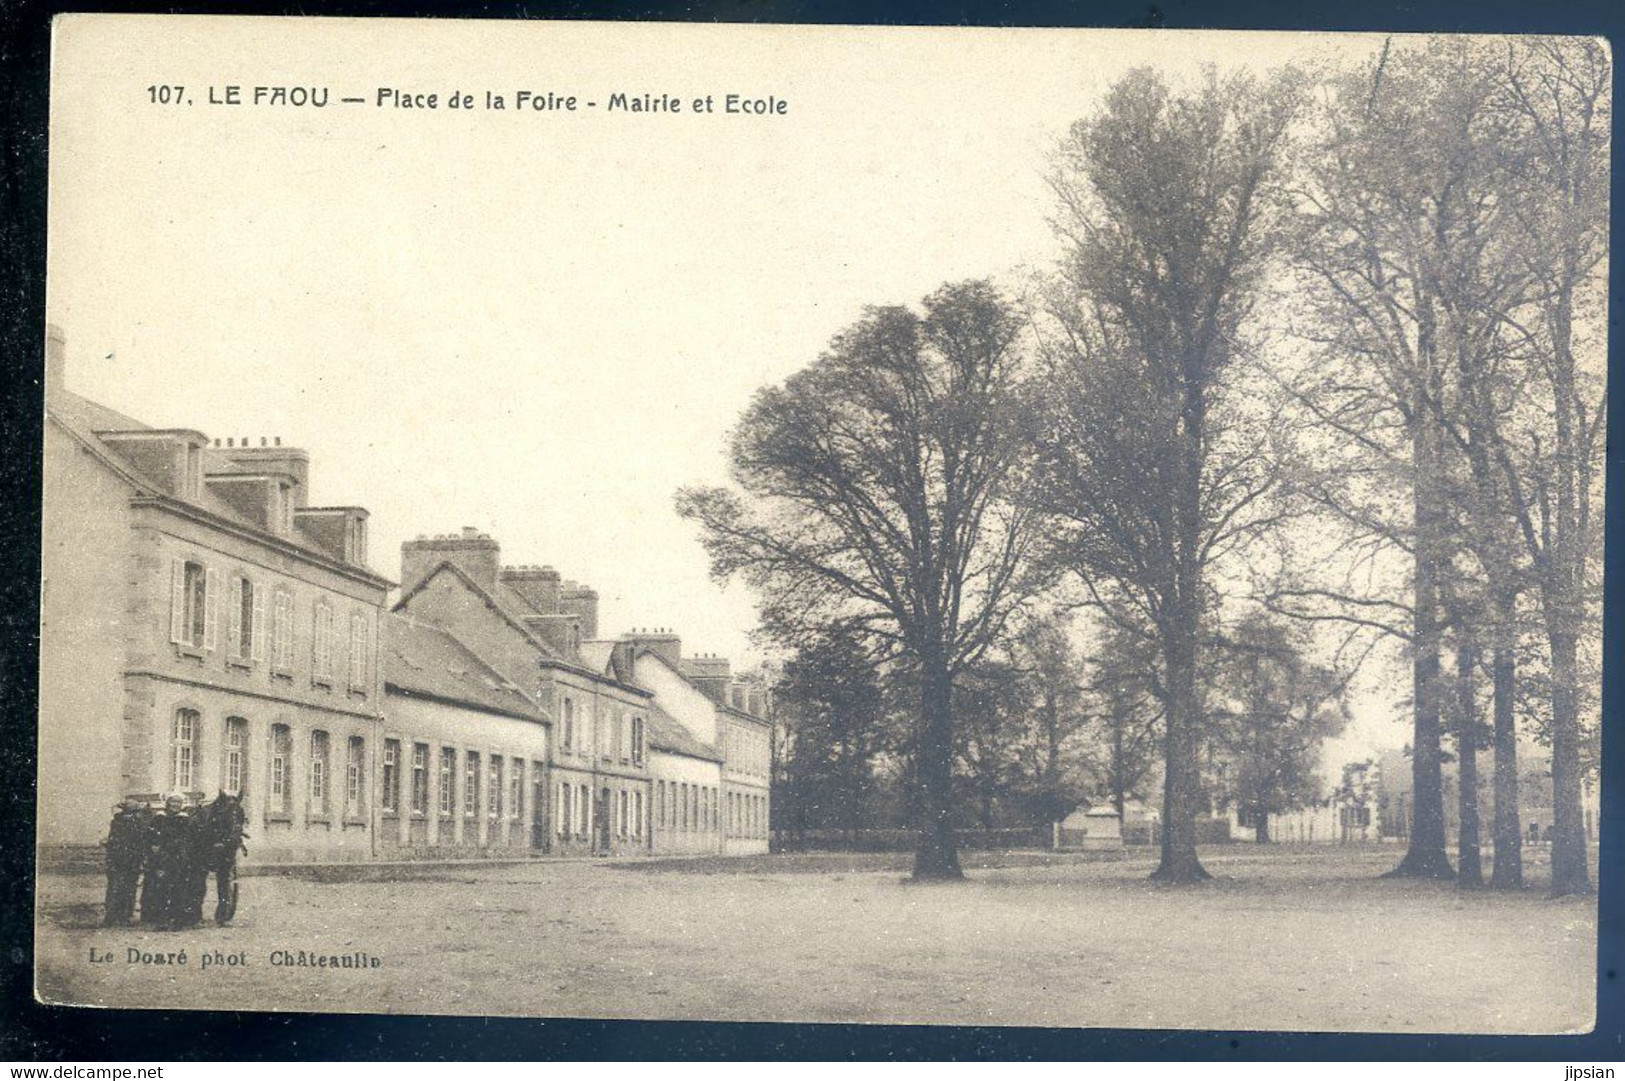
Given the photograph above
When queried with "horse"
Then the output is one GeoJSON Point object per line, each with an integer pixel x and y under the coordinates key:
{"type": "Point", "coordinates": [220, 840]}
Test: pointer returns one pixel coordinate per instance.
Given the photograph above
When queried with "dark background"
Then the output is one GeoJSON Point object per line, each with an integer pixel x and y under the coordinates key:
{"type": "Point", "coordinates": [29, 1031]}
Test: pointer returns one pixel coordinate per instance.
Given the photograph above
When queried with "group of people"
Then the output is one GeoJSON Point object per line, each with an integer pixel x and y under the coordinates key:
{"type": "Point", "coordinates": [168, 856]}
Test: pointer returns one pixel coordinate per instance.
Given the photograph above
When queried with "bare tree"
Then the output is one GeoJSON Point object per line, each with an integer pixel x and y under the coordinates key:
{"type": "Point", "coordinates": [878, 488]}
{"type": "Point", "coordinates": [1559, 90]}
{"type": "Point", "coordinates": [1170, 209]}
{"type": "Point", "coordinates": [1406, 272]}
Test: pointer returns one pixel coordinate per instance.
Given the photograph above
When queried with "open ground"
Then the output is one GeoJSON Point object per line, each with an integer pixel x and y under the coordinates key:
{"type": "Point", "coordinates": [1283, 938]}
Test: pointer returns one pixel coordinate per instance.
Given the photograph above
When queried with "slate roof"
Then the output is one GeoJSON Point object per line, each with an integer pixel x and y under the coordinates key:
{"type": "Point", "coordinates": [430, 662]}
{"type": "Point", "coordinates": [504, 609]}
{"type": "Point", "coordinates": [84, 418]}
{"type": "Point", "coordinates": [666, 734]}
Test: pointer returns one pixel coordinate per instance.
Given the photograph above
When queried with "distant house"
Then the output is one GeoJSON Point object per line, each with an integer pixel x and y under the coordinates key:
{"type": "Point", "coordinates": [1090, 828]}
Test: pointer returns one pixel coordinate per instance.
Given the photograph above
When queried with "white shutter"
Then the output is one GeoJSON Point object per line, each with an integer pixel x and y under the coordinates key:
{"type": "Point", "coordinates": [358, 652]}
{"type": "Point", "coordinates": [329, 646]}
{"type": "Point", "coordinates": [234, 618]}
{"type": "Point", "coordinates": [211, 599]}
{"type": "Point", "coordinates": [256, 626]}
{"type": "Point", "coordinates": [177, 600]}
{"type": "Point", "coordinates": [284, 631]}
{"type": "Point", "coordinates": [318, 669]}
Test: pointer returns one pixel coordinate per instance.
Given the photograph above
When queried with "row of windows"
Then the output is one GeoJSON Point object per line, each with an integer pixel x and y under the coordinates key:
{"type": "Point", "coordinates": [259, 624]}
{"type": "Point", "coordinates": [575, 814]}
{"type": "Point", "coordinates": [621, 737]}
{"type": "Point", "coordinates": [685, 807]}
{"type": "Point", "coordinates": [488, 783]}
{"type": "Point", "coordinates": [747, 815]}
{"type": "Point", "coordinates": [187, 745]}
{"type": "Point", "coordinates": [746, 750]}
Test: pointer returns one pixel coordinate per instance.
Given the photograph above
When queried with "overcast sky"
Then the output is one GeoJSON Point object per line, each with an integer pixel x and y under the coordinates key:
{"type": "Point", "coordinates": [541, 324]}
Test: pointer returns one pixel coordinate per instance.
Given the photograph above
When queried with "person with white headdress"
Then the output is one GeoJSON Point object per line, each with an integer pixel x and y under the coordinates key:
{"type": "Point", "coordinates": [166, 891]}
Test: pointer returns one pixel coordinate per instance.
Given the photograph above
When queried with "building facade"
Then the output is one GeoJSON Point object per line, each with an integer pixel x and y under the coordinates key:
{"type": "Point", "coordinates": [463, 753]}
{"type": "Point", "coordinates": [203, 630]}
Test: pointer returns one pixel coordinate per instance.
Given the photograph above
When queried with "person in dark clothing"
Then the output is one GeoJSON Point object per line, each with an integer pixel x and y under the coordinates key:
{"type": "Point", "coordinates": [126, 851]}
{"type": "Point", "coordinates": [220, 839]}
{"type": "Point", "coordinates": [168, 891]}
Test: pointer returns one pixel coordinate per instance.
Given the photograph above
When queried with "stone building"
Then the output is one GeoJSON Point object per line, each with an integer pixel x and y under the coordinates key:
{"type": "Point", "coordinates": [463, 763]}
{"type": "Point", "coordinates": [203, 629]}
{"type": "Point", "coordinates": [651, 752]}
{"type": "Point", "coordinates": [541, 633]}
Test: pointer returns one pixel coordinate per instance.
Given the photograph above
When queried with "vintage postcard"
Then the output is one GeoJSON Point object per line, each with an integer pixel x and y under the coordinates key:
{"type": "Point", "coordinates": [785, 523]}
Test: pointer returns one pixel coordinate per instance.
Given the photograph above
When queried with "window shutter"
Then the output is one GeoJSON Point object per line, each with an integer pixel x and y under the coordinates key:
{"type": "Point", "coordinates": [328, 631]}
{"type": "Point", "coordinates": [284, 631]}
{"type": "Point", "coordinates": [234, 618]}
{"type": "Point", "coordinates": [316, 641]}
{"type": "Point", "coordinates": [177, 600]}
{"type": "Point", "coordinates": [358, 652]}
{"type": "Point", "coordinates": [256, 626]}
{"type": "Point", "coordinates": [211, 616]}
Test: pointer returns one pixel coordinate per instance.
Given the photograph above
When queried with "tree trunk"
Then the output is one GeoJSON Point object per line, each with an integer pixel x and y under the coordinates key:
{"type": "Point", "coordinates": [1179, 862]}
{"type": "Point", "coordinates": [1508, 829]}
{"type": "Point", "coordinates": [1119, 796]}
{"type": "Point", "coordinates": [1469, 868]}
{"type": "Point", "coordinates": [1426, 856]}
{"type": "Point", "coordinates": [1261, 827]}
{"type": "Point", "coordinates": [1570, 870]}
{"type": "Point", "coordinates": [937, 856]}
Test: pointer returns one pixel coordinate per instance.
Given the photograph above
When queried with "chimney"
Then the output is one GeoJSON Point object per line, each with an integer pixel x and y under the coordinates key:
{"type": "Point", "coordinates": [581, 601]}
{"type": "Point", "coordinates": [710, 674]}
{"type": "Point", "coordinates": [538, 585]}
{"type": "Point", "coordinates": [660, 640]}
{"type": "Point", "coordinates": [276, 459]}
{"type": "Point", "coordinates": [56, 359]}
{"type": "Point", "coordinates": [476, 554]}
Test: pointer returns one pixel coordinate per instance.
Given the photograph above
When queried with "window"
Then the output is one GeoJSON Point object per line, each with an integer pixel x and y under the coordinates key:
{"type": "Point", "coordinates": [282, 631]}
{"type": "Point", "coordinates": [583, 810]}
{"type": "Point", "coordinates": [281, 752]}
{"type": "Point", "coordinates": [355, 772]}
{"type": "Point", "coordinates": [568, 741]}
{"type": "Point", "coordinates": [686, 814]}
{"type": "Point", "coordinates": [493, 787]}
{"type": "Point", "coordinates": [637, 741]}
{"type": "Point", "coordinates": [234, 776]}
{"type": "Point", "coordinates": [471, 784]}
{"type": "Point", "coordinates": [637, 814]}
{"type": "Point", "coordinates": [358, 652]}
{"type": "Point", "coordinates": [192, 589]}
{"type": "Point", "coordinates": [245, 634]}
{"type": "Point", "coordinates": [321, 645]}
{"type": "Point", "coordinates": [392, 776]}
{"type": "Point", "coordinates": [618, 720]}
{"type": "Point", "coordinates": [564, 810]}
{"type": "Point", "coordinates": [448, 777]}
{"type": "Point", "coordinates": [318, 772]}
{"type": "Point", "coordinates": [183, 750]}
{"type": "Point", "coordinates": [622, 815]}
{"type": "Point", "coordinates": [420, 778]}
{"type": "Point", "coordinates": [516, 788]}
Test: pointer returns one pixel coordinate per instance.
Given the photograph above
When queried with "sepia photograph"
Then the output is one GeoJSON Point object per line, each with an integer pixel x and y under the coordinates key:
{"type": "Point", "coordinates": [886, 525]}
